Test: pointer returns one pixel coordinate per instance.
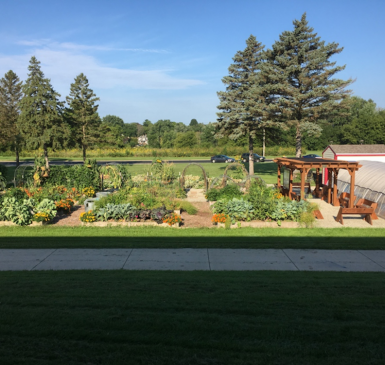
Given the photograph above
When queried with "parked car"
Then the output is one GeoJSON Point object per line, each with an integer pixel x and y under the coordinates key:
{"type": "Point", "coordinates": [312, 156]}
{"type": "Point", "coordinates": [222, 158]}
{"type": "Point", "coordinates": [257, 158]}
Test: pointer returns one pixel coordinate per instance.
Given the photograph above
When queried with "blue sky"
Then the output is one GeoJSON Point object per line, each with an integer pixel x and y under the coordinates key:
{"type": "Point", "coordinates": [165, 59]}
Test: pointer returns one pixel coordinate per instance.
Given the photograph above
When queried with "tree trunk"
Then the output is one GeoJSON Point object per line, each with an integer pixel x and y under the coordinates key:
{"type": "Point", "coordinates": [298, 143]}
{"type": "Point", "coordinates": [17, 155]}
{"type": "Point", "coordinates": [84, 144]}
{"type": "Point", "coordinates": [251, 156]}
{"type": "Point", "coordinates": [46, 156]}
{"type": "Point", "coordinates": [263, 142]}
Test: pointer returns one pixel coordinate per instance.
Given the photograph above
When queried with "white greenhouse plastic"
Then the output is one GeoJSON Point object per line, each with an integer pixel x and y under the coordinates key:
{"type": "Point", "coordinates": [369, 184]}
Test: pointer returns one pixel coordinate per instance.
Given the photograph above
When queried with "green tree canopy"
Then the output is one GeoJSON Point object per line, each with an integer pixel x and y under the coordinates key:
{"type": "Point", "coordinates": [10, 96]}
{"type": "Point", "coordinates": [83, 113]}
{"type": "Point", "coordinates": [41, 113]}
{"type": "Point", "coordinates": [157, 131]}
{"type": "Point", "coordinates": [113, 120]}
{"type": "Point", "coordinates": [300, 78]}
{"type": "Point", "coordinates": [242, 105]}
{"type": "Point", "coordinates": [186, 140]}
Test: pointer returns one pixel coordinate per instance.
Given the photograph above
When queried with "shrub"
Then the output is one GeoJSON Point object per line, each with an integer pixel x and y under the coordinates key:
{"type": "Point", "coordinates": [16, 193]}
{"type": "Point", "coordinates": [228, 192]}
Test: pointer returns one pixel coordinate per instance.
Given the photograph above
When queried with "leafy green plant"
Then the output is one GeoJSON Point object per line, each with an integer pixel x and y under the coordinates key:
{"type": "Point", "coordinates": [17, 193]}
{"type": "Point", "coordinates": [159, 213]}
{"type": "Point", "coordinates": [16, 212]}
{"type": "Point", "coordinates": [228, 192]}
{"type": "Point", "coordinates": [47, 206]}
{"type": "Point", "coordinates": [307, 219]}
{"type": "Point", "coordinates": [237, 209]}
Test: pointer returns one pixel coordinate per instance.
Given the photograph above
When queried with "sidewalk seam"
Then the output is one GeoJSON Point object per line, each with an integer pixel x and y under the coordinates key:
{"type": "Point", "coordinates": [127, 258]}
{"type": "Point", "coordinates": [208, 258]}
{"type": "Point", "coordinates": [370, 259]}
{"type": "Point", "coordinates": [290, 259]}
{"type": "Point", "coordinates": [45, 258]}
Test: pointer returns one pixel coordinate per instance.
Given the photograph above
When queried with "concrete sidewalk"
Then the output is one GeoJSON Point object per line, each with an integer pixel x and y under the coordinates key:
{"type": "Point", "coordinates": [192, 259]}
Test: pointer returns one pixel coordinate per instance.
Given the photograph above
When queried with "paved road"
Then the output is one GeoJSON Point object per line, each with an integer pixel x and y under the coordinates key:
{"type": "Point", "coordinates": [103, 162]}
{"type": "Point", "coordinates": [192, 259]}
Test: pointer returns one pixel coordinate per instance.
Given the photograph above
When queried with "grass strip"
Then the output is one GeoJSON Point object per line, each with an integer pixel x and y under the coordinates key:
{"type": "Point", "coordinates": [121, 317]}
{"type": "Point", "coordinates": [156, 237]}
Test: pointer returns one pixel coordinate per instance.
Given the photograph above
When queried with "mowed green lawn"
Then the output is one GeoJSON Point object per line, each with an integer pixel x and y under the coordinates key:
{"type": "Point", "coordinates": [159, 237]}
{"type": "Point", "coordinates": [166, 318]}
{"type": "Point", "coordinates": [266, 170]}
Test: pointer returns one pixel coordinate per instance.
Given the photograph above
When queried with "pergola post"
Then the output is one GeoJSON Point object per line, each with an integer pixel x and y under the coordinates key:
{"type": "Point", "coordinates": [279, 177]}
{"type": "Point", "coordinates": [335, 174]}
{"type": "Point", "coordinates": [303, 175]}
{"type": "Point", "coordinates": [329, 185]}
{"type": "Point", "coordinates": [291, 182]}
{"type": "Point", "coordinates": [352, 182]}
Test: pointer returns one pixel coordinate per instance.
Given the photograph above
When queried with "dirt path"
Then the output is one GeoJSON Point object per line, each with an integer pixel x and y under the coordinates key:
{"type": "Point", "coordinates": [201, 219]}
{"type": "Point", "coordinates": [72, 219]}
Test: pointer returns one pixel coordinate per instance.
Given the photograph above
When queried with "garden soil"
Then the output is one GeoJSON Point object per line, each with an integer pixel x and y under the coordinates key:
{"type": "Point", "coordinates": [202, 219]}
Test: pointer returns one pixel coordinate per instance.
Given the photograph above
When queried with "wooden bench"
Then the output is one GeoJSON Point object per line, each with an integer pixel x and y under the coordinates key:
{"type": "Point", "coordinates": [367, 212]}
{"type": "Point", "coordinates": [307, 185]}
{"type": "Point", "coordinates": [364, 203]}
{"type": "Point", "coordinates": [344, 199]}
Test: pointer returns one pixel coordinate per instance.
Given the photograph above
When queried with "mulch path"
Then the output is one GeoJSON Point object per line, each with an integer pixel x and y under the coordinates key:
{"type": "Point", "coordinates": [201, 219]}
{"type": "Point", "coordinates": [72, 219]}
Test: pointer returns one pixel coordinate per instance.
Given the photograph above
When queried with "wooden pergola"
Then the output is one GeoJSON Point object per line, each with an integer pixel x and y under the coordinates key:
{"type": "Point", "coordinates": [328, 192]}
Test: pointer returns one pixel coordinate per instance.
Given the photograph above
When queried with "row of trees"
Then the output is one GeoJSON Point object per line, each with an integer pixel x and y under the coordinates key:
{"type": "Point", "coordinates": [31, 114]}
{"type": "Point", "coordinates": [290, 85]}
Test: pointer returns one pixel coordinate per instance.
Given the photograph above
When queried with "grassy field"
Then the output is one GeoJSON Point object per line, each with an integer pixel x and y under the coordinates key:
{"type": "Point", "coordinates": [120, 317]}
{"type": "Point", "coordinates": [158, 237]}
{"type": "Point", "coordinates": [266, 170]}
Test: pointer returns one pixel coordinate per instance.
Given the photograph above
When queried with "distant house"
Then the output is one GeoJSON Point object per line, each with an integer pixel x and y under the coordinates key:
{"type": "Point", "coordinates": [143, 140]}
{"type": "Point", "coordinates": [353, 152]}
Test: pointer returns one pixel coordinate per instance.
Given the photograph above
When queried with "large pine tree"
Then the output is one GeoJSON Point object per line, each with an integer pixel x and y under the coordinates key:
{"type": "Point", "coordinates": [242, 105]}
{"type": "Point", "coordinates": [10, 95]}
{"type": "Point", "coordinates": [82, 113]}
{"type": "Point", "coordinates": [300, 78]}
{"type": "Point", "coordinates": [41, 122]}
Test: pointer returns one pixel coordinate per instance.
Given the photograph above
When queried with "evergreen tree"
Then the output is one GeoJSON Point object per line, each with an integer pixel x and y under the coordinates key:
{"type": "Point", "coordinates": [83, 113]}
{"type": "Point", "coordinates": [193, 123]}
{"type": "Point", "coordinates": [242, 105]}
{"type": "Point", "coordinates": [41, 120]}
{"type": "Point", "coordinates": [10, 96]}
{"type": "Point", "coordinates": [299, 76]}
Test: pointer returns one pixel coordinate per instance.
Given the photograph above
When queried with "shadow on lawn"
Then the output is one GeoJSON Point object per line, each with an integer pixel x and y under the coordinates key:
{"type": "Point", "coordinates": [234, 242]}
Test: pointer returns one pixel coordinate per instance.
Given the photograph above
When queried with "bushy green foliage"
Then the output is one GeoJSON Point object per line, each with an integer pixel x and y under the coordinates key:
{"type": "Point", "coordinates": [16, 193]}
{"type": "Point", "coordinates": [228, 192]}
{"type": "Point", "coordinates": [261, 197]}
{"type": "Point", "coordinates": [116, 212]}
{"type": "Point", "coordinates": [79, 176]}
{"type": "Point", "coordinates": [288, 210]}
{"type": "Point", "coordinates": [3, 170]}
{"type": "Point", "coordinates": [47, 206]}
{"type": "Point", "coordinates": [236, 209]}
{"type": "Point", "coordinates": [15, 211]}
